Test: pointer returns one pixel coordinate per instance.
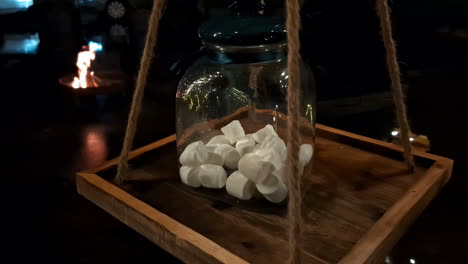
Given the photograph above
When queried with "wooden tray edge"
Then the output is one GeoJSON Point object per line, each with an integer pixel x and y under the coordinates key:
{"type": "Point", "coordinates": [320, 128]}
{"type": "Point", "coordinates": [367, 250]}
{"type": "Point", "coordinates": [181, 241]}
{"type": "Point", "coordinates": [133, 154]}
{"type": "Point", "coordinates": [386, 232]}
{"type": "Point", "coordinates": [327, 131]}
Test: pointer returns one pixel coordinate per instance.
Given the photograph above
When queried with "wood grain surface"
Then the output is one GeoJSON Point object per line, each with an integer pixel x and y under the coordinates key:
{"type": "Point", "coordinates": [358, 201]}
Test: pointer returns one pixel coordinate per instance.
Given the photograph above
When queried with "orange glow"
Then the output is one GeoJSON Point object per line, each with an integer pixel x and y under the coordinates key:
{"type": "Point", "coordinates": [85, 77]}
{"type": "Point", "coordinates": [94, 151]}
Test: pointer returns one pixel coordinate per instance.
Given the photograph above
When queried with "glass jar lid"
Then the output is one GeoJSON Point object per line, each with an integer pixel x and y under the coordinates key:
{"type": "Point", "coordinates": [243, 31]}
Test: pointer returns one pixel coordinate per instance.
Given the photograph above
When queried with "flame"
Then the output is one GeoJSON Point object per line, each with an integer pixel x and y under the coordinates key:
{"type": "Point", "coordinates": [85, 77]}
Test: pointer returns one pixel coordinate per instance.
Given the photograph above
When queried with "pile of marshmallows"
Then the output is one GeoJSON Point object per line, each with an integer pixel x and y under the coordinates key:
{"type": "Point", "coordinates": [258, 162]}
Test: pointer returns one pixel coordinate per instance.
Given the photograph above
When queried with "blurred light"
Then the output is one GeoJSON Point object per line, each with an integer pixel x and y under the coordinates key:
{"type": "Point", "coordinates": [411, 139]}
{"type": "Point", "coordinates": [388, 260]}
{"type": "Point", "coordinates": [394, 133]}
{"type": "Point", "coordinates": [15, 5]}
{"type": "Point", "coordinates": [94, 151]}
{"type": "Point", "coordinates": [94, 46]}
{"type": "Point", "coordinates": [20, 44]}
{"type": "Point", "coordinates": [412, 261]}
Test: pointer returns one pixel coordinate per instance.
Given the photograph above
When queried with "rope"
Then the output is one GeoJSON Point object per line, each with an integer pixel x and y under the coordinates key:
{"type": "Point", "coordinates": [293, 98]}
{"type": "Point", "coordinates": [293, 24]}
{"type": "Point", "coordinates": [394, 70]}
{"type": "Point", "coordinates": [148, 52]}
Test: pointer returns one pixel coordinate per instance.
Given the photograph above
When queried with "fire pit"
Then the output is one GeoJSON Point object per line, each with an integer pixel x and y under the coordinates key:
{"type": "Point", "coordinates": [108, 83]}
{"type": "Point", "coordinates": [89, 83]}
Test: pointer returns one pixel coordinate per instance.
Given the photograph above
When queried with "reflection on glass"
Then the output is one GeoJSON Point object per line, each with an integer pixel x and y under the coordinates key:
{"type": "Point", "coordinates": [20, 44]}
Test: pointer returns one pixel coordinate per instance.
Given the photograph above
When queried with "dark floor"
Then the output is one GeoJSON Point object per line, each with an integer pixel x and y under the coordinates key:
{"type": "Point", "coordinates": [47, 138]}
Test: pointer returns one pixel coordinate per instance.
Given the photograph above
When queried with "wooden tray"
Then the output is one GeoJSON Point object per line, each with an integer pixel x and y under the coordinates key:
{"type": "Point", "coordinates": [357, 204]}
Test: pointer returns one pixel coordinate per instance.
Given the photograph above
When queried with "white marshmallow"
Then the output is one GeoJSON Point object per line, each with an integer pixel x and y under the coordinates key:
{"type": "Point", "coordinates": [305, 154]}
{"type": "Point", "coordinates": [269, 185]}
{"type": "Point", "coordinates": [281, 174]}
{"type": "Point", "coordinates": [245, 145]}
{"type": "Point", "coordinates": [270, 156]}
{"type": "Point", "coordinates": [239, 186]}
{"type": "Point", "coordinates": [216, 140]}
{"type": "Point", "coordinates": [214, 159]}
{"type": "Point", "coordinates": [279, 194]}
{"type": "Point", "coordinates": [211, 148]}
{"type": "Point", "coordinates": [230, 155]}
{"type": "Point", "coordinates": [255, 168]}
{"type": "Point", "coordinates": [212, 176]}
{"type": "Point", "coordinates": [233, 131]}
{"type": "Point", "coordinates": [189, 176]}
{"type": "Point", "coordinates": [261, 134]}
{"type": "Point", "coordinates": [194, 154]}
{"type": "Point", "coordinates": [277, 144]}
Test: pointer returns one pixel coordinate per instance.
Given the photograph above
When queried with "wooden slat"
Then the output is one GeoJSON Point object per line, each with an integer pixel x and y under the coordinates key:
{"type": "Point", "coordinates": [383, 235]}
{"type": "Point", "coordinates": [183, 242]}
{"type": "Point", "coordinates": [135, 153]}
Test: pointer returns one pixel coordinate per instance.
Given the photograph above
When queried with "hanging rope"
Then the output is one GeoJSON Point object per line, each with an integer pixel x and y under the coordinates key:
{"type": "Point", "coordinates": [294, 61]}
{"type": "Point", "coordinates": [148, 52]}
{"type": "Point", "coordinates": [394, 70]}
{"type": "Point", "coordinates": [293, 24]}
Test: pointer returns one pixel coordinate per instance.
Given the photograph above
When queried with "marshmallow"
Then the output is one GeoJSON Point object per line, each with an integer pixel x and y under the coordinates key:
{"type": "Point", "coordinates": [278, 194]}
{"type": "Point", "coordinates": [245, 144]}
{"type": "Point", "coordinates": [305, 154]}
{"type": "Point", "coordinates": [189, 176]}
{"type": "Point", "coordinates": [229, 154]}
{"type": "Point", "coordinates": [216, 140]}
{"type": "Point", "coordinates": [269, 186]}
{"type": "Point", "coordinates": [239, 186]}
{"type": "Point", "coordinates": [255, 168]}
{"type": "Point", "coordinates": [258, 194]}
{"type": "Point", "coordinates": [233, 131]}
{"type": "Point", "coordinates": [261, 134]}
{"type": "Point", "coordinates": [194, 154]}
{"type": "Point", "coordinates": [211, 148]}
{"type": "Point", "coordinates": [270, 156]}
{"type": "Point", "coordinates": [212, 176]}
{"type": "Point", "coordinates": [277, 144]}
{"type": "Point", "coordinates": [281, 174]}
{"type": "Point", "coordinates": [214, 159]}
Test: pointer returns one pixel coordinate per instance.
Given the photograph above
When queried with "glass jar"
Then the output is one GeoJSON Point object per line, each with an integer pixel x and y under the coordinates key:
{"type": "Point", "coordinates": [241, 76]}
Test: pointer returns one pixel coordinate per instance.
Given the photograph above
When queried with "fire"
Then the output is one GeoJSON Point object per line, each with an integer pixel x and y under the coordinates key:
{"type": "Point", "coordinates": [85, 77]}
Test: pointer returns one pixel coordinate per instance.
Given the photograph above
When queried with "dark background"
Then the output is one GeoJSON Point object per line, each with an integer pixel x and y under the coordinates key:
{"type": "Point", "coordinates": [46, 138]}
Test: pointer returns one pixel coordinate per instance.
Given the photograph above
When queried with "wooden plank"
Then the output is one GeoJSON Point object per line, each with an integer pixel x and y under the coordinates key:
{"type": "Point", "coordinates": [373, 145]}
{"type": "Point", "coordinates": [340, 210]}
{"type": "Point", "coordinates": [384, 234]}
{"type": "Point", "coordinates": [135, 153]}
{"type": "Point", "coordinates": [358, 202]}
{"type": "Point", "coordinates": [217, 222]}
{"type": "Point", "coordinates": [182, 242]}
